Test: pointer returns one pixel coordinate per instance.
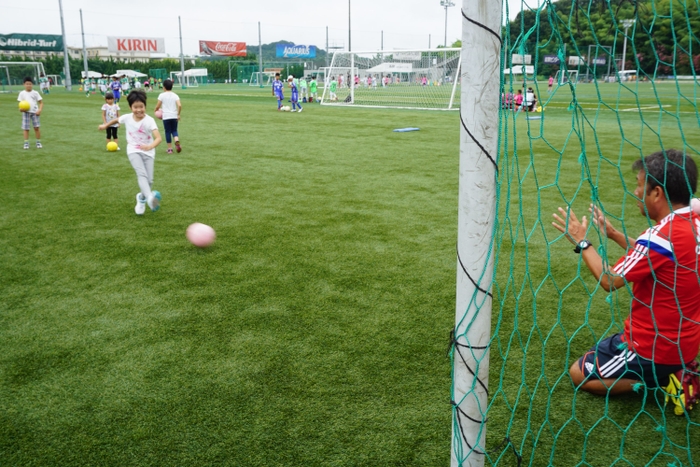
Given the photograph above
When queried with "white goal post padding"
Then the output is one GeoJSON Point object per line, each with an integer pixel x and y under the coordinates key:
{"type": "Point", "coordinates": [411, 79]}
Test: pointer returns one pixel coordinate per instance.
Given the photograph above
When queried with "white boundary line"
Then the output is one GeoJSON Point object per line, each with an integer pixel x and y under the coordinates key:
{"type": "Point", "coordinates": [645, 108]}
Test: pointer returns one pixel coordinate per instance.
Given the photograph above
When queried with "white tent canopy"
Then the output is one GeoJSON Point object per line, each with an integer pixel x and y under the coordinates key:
{"type": "Point", "coordinates": [129, 74]}
{"type": "Point", "coordinates": [91, 74]}
{"type": "Point", "coordinates": [195, 72]}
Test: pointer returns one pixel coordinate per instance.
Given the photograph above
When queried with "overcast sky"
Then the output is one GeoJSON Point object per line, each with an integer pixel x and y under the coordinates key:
{"type": "Point", "coordinates": [406, 24]}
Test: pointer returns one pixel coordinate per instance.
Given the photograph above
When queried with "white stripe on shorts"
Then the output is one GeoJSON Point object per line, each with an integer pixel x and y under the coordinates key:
{"type": "Point", "coordinates": [617, 362]}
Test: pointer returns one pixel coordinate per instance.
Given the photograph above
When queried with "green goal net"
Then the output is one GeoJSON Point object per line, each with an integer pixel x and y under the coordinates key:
{"type": "Point", "coordinates": [587, 88]}
{"type": "Point", "coordinates": [158, 73]}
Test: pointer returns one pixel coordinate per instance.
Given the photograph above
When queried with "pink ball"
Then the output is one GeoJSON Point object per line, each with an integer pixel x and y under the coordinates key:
{"type": "Point", "coordinates": [159, 114]}
{"type": "Point", "coordinates": [200, 235]}
{"type": "Point", "coordinates": [695, 205]}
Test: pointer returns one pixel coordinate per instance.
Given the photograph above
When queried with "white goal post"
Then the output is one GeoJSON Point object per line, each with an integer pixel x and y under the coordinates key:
{"type": "Point", "coordinates": [192, 77]}
{"type": "Point", "coordinates": [261, 78]}
{"type": "Point", "coordinates": [408, 79]}
{"type": "Point", "coordinates": [566, 76]}
{"type": "Point", "coordinates": [12, 74]}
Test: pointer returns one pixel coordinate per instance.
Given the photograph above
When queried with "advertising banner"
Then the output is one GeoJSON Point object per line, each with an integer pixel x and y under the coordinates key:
{"type": "Point", "coordinates": [34, 42]}
{"type": "Point", "coordinates": [228, 49]}
{"type": "Point", "coordinates": [576, 61]}
{"type": "Point", "coordinates": [599, 61]}
{"type": "Point", "coordinates": [296, 51]}
{"type": "Point", "coordinates": [517, 59]}
{"type": "Point", "coordinates": [551, 60]}
{"type": "Point", "coordinates": [136, 44]}
{"type": "Point", "coordinates": [407, 56]}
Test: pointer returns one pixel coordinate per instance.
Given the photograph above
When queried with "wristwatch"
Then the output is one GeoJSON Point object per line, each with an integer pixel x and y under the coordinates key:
{"type": "Point", "coordinates": [582, 245]}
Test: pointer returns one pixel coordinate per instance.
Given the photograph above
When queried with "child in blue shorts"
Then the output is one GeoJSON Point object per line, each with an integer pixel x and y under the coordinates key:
{"type": "Point", "coordinates": [169, 102]}
{"type": "Point", "coordinates": [278, 90]}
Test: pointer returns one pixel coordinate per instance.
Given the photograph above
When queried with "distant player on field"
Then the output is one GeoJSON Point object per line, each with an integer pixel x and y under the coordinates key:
{"type": "Point", "coordinates": [170, 103]}
{"type": "Point", "coordinates": [661, 336]}
{"type": "Point", "coordinates": [278, 90]}
{"type": "Point", "coordinates": [334, 88]}
{"type": "Point", "coordinates": [304, 88]}
{"type": "Point", "coordinates": [295, 94]}
{"type": "Point", "coordinates": [313, 89]}
{"type": "Point", "coordinates": [116, 88]}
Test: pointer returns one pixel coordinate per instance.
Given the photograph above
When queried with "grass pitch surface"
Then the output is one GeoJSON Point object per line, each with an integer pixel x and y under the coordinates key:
{"type": "Point", "coordinates": [314, 331]}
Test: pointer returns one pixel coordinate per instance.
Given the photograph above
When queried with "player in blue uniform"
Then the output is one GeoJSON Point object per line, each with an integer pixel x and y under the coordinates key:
{"type": "Point", "coordinates": [116, 88]}
{"type": "Point", "coordinates": [295, 94]}
{"type": "Point", "coordinates": [278, 90]}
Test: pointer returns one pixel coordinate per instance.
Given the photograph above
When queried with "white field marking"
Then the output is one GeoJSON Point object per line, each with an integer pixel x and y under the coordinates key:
{"type": "Point", "coordinates": [645, 108]}
{"type": "Point", "coordinates": [622, 110]}
{"type": "Point", "coordinates": [225, 94]}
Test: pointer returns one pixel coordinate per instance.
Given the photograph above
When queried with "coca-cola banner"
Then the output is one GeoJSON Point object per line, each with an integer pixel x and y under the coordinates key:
{"type": "Point", "coordinates": [136, 44]}
{"type": "Point", "coordinates": [230, 49]}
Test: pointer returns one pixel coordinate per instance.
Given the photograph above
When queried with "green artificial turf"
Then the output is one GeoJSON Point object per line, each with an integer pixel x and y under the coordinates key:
{"type": "Point", "coordinates": [314, 331]}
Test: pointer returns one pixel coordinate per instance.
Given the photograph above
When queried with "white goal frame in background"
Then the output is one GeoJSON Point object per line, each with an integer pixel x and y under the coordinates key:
{"type": "Point", "coordinates": [261, 78]}
{"type": "Point", "coordinates": [422, 79]}
{"type": "Point", "coordinates": [17, 80]}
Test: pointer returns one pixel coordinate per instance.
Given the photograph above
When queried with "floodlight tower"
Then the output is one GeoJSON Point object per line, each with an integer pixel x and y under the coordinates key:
{"type": "Point", "coordinates": [626, 23]}
{"type": "Point", "coordinates": [349, 26]}
{"type": "Point", "coordinates": [66, 64]}
{"type": "Point", "coordinates": [446, 4]}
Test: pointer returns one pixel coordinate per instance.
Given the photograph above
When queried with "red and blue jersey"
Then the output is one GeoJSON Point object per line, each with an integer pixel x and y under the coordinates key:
{"type": "Point", "coordinates": [664, 320]}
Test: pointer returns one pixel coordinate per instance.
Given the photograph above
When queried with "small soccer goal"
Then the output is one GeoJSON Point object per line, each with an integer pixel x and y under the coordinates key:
{"type": "Point", "coordinates": [410, 79]}
{"type": "Point", "coordinates": [261, 79]}
{"type": "Point", "coordinates": [566, 76]}
{"type": "Point", "coordinates": [12, 74]}
{"type": "Point", "coordinates": [192, 78]}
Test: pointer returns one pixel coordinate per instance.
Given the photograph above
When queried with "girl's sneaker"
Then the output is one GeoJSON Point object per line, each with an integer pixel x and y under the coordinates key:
{"type": "Point", "coordinates": [177, 146]}
{"type": "Point", "coordinates": [170, 151]}
{"type": "Point", "coordinates": [154, 201]}
{"type": "Point", "coordinates": [140, 207]}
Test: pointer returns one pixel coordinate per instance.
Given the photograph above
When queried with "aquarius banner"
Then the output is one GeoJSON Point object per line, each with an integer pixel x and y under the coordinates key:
{"type": "Point", "coordinates": [229, 49]}
{"type": "Point", "coordinates": [136, 44]}
{"type": "Point", "coordinates": [296, 51]}
{"type": "Point", "coordinates": [35, 42]}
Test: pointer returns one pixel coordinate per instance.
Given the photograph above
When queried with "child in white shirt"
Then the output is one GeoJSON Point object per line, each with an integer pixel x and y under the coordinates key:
{"type": "Point", "coordinates": [110, 111]}
{"type": "Point", "coordinates": [170, 102]}
{"type": "Point", "coordinates": [142, 137]}
{"type": "Point", "coordinates": [31, 115]}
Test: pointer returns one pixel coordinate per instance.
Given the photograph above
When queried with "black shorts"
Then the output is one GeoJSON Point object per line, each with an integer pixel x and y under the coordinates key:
{"type": "Point", "coordinates": [112, 132]}
{"type": "Point", "coordinates": [612, 359]}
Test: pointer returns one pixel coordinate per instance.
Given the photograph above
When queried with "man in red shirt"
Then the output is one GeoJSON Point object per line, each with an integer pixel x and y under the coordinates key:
{"type": "Point", "coordinates": [661, 338]}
